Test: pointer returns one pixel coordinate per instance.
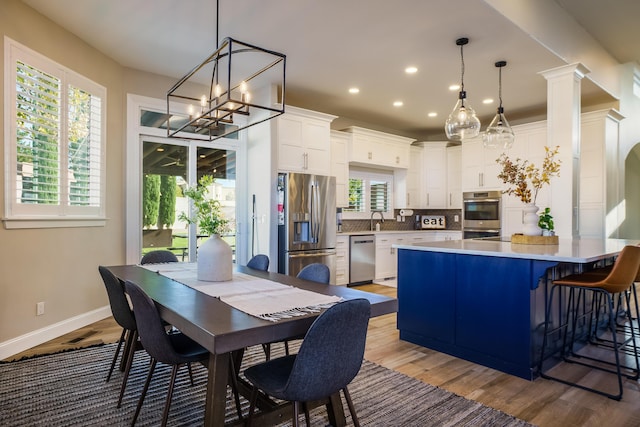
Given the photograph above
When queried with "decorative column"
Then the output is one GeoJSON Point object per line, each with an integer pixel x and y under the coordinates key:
{"type": "Point", "coordinates": [563, 130]}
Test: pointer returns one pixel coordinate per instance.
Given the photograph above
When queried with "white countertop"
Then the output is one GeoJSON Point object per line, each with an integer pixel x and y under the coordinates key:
{"type": "Point", "coordinates": [360, 233]}
{"type": "Point", "coordinates": [567, 250]}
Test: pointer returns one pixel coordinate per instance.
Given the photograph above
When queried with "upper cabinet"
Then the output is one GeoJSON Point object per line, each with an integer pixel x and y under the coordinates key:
{"type": "Point", "coordinates": [454, 177]}
{"type": "Point", "coordinates": [378, 149]}
{"type": "Point", "coordinates": [414, 180]}
{"type": "Point", "coordinates": [435, 175]}
{"type": "Point", "coordinates": [340, 166]}
{"type": "Point", "coordinates": [479, 167]}
{"type": "Point", "coordinates": [304, 143]}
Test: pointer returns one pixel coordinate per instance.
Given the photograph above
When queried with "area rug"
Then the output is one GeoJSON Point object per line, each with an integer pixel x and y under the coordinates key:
{"type": "Point", "coordinates": [69, 389]}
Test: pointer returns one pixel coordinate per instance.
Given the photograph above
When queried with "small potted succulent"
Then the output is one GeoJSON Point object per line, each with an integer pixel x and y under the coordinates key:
{"type": "Point", "coordinates": [545, 222]}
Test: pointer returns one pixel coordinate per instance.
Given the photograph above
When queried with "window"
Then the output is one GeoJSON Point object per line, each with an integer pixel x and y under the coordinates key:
{"type": "Point", "coordinates": [54, 143]}
{"type": "Point", "coordinates": [368, 192]}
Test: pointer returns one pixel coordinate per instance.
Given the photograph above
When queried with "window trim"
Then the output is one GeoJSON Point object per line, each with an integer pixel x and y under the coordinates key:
{"type": "Point", "coordinates": [368, 175]}
{"type": "Point", "coordinates": [39, 216]}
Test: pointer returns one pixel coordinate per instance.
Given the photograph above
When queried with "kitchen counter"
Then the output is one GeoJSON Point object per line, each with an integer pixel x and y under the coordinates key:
{"type": "Point", "coordinates": [484, 300]}
{"type": "Point", "coordinates": [358, 233]}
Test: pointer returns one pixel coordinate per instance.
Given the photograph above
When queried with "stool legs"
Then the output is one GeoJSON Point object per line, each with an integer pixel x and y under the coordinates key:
{"type": "Point", "coordinates": [602, 301]}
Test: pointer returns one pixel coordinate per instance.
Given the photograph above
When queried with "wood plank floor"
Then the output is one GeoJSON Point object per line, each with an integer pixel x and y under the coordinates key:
{"type": "Point", "coordinates": [541, 402]}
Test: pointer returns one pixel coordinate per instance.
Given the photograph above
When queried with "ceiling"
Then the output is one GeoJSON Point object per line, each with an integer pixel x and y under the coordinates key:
{"type": "Point", "coordinates": [332, 45]}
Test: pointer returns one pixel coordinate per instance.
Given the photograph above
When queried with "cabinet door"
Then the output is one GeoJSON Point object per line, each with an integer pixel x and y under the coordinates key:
{"type": "Point", "coordinates": [317, 142]}
{"type": "Point", "coordinates": [385, 257]}
{"type": "Point", "coordinates": [342, 260]}
{"type": "Point", "coordinates": [454, 177]}
{"type": "Point", "coordinates": [435, 166]}
{"type": "Point", "coordinates": [291, 152]}
{"type": "Point", "coordinates": [340, 167]}
{"type": "Point", "coordinates": [415, 183]}
{"type": "Point", "coordinates": [472, 165]}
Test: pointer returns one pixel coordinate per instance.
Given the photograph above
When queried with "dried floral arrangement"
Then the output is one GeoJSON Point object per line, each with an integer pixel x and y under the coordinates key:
{"type": "Point", "coordinates": [526, 179]}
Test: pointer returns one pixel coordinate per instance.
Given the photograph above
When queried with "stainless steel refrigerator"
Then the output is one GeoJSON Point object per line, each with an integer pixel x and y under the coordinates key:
{"type": "Point", "coordinates": [306, 222]}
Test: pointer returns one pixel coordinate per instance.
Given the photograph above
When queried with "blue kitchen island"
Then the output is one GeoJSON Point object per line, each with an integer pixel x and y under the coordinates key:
{"type": "Point", "coordinates": [484, 300]}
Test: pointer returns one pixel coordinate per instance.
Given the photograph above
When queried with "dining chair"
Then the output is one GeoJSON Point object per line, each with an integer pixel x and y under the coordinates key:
{"type": "Point", "coordinates": [174, 349]}
{"type": "Point", "coordinates": [123, 315]}
{"type": "Point", "coordinates": [329, 358]}
{"type": "Point", "coordinates": [581, 313]}
{"type": "Point", "coordinates": [259, 262]}
{"type": "Point", "coordinates": [315, 272]}
{"type": "Point", "coordinates": [158, 257]}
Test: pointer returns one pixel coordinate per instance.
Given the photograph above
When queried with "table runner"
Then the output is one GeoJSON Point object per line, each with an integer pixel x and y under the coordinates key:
{"type": "Point", "coordinates": [258, 297]}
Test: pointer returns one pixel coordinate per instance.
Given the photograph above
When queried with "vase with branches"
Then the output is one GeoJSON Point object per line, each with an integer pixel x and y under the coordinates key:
{"type": "Point", "coordinates": [525, 181]}
{"type": "Point", "coordinates": [215, 256]}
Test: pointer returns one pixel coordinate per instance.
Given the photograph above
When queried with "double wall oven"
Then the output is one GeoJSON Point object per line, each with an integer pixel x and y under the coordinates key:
{"type": "Point", "coordinates": [481, 214]}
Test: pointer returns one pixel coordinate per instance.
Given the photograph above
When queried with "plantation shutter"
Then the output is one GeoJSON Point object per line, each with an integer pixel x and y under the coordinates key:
{"type": "Point", "coordinates": [379, 195]}
{"type": "Point", "coordinates": [356, 195]}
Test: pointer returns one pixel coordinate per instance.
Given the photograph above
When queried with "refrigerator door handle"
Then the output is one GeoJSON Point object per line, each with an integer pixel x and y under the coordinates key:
{"type": "Point", "coordinates": [314, 254]}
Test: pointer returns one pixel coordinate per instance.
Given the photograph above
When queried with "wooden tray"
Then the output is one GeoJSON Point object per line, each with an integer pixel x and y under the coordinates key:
{"type": "Point", "coordinates": [521, 239]}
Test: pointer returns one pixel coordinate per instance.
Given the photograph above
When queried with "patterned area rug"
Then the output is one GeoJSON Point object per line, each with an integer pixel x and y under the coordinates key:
{"type": "Point", "coordinates": [69, 389]}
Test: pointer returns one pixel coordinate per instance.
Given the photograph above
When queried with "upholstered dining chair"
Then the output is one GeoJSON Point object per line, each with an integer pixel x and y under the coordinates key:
{"type": "Point", "coordinates": [315, 272]}
{"type": "Point", "coordinates": [158, 257]}
{"type": "Point", "coordinates": [329, 358]}
{"type": "Point", "coordinates": [259, 262]}
{"type": "Point", "coordinates": [123, 315]}
{"type": "Point", "coordinates": [174, 349]}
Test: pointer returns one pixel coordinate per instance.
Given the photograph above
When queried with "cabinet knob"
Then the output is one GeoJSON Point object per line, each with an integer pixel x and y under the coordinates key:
{"type": "Point", "coordinates": [370, 155]}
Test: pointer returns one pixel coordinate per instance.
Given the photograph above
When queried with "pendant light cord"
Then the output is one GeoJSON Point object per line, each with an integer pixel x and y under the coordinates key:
{"type": "Point", "coordinates": [461, 68]}
{"type": "Point", "coordinates": [217, 23]}
{"type": "Point", "coordinates": [500, 86]}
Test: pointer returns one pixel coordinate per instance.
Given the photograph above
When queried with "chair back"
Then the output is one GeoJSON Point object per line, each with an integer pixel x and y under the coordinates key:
{"type": "Point", "coordinates": [118, 300]}
{"type": "Point", "coordinates": [315, 272]}
{"type": "Point", "coordinates": [625, 270]}
{"type": "Point", "coordinates": [158, 257]}
{"type": "Point", "coordinates": [150, 327]}
{"type": "Point", "coordinates": [259, 262]}
{"type": "Point", "coordinates": [331, 353]}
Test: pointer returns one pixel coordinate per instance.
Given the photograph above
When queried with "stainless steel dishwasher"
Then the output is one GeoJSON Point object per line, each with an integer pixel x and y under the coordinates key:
{"type": "Point", "coordinates": [362, 267]}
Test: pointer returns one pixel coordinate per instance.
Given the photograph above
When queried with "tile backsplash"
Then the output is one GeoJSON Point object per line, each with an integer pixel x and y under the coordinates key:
{"type": "Point", "coordinates": [355, 225]}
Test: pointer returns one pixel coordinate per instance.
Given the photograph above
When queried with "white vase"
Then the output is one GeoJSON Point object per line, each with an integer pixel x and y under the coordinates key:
{"type": "Point", "coordinates": [215, 260]}
{"type": "Point", "coordinates": [530, 221]}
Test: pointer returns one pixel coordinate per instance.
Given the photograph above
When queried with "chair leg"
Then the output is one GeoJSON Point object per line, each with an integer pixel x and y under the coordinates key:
{"type": "Point", "coordinates": [286, 348]}
{"type": "Point", "coordinates": [252, 405]}
{"type": "Point", "coordinates": [267, 351]}
{"type": "Point", "coordinates": [129, 345]}
{"type": "Point", "coordinates": [167, 405]}
{"type": "Point", "coordinates": [115, 356]}
{"type": "Point", "coordinates": [233, 380]}
{"type": "Point", "coordinates": [190, 373]}
{"type": "Point", "coordinates": [295, 414]}
{"type": "Point", "coordinates": [307, 418]}
{"type": "Point", "coordinates": [152, 367]}
{"type": "Point", "coordinates": [352, 408]}
{"type": "Point", "coordinates": [127, 369]}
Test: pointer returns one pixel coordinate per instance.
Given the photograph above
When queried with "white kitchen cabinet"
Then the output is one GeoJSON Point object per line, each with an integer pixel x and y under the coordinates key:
{"type": "Point", "coordinates": [378, 149]}
{"type": "Point", "coordinates": [479, 168]}
{"type": "Point", "coordinates": [342, 260]}
{"type": "Point", "coordinates": [598, 173]}
{"type": "Point", "coordinates": [454, 177]}
{"type": "Point", "coordinates": [435, 175]}
{"type": "Point", "coordinates": [340, 166]}
{"type": "Point", "coordinates": [304, 143]}
{"type": "Point", "coordinates": [409, 184]}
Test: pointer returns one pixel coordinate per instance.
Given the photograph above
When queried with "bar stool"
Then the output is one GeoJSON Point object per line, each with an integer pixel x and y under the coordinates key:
{"type": "Point", "coordinates": [603, 289]}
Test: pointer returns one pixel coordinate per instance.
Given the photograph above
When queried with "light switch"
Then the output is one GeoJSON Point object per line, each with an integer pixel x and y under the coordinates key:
{"type": "Point", "coordinates": [456, 218]}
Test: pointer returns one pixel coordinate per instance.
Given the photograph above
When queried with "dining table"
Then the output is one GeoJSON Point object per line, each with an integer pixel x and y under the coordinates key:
{"type": "Point", "coordinates": [226, 331]}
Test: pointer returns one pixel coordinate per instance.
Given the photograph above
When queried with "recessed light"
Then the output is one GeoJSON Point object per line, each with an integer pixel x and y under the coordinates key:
{"type": "Point", "coordinates": [454, 87]}
{"type": "Point", "coordinates": [160, 149]}
{"type": "Point", "coordinates": [354, 90]}
{"type": "Point", "coordinates": [411, 70]}
{"type": "Point", "coordinates": [487, 101]}
{"type": "Point", "coordinates": [398, 104]}
{"type": "Point", "coordinates": [432, 114]}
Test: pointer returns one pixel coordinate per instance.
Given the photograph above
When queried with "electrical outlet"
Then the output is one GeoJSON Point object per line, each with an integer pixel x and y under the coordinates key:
{"type": "Point", "coordinates": [40, 308]}
{"type": "Point", "coordinates": [456, 218]}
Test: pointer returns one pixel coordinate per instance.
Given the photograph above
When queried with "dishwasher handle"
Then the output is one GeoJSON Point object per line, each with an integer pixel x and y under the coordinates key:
{"type": "Point", "coordinates": [359, 242]}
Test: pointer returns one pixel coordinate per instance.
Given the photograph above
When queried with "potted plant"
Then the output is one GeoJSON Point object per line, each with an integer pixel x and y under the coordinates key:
{"type": "Point", "coordinates": [215, 256]}
{"type": "Point", "coordinates": [525, 180]}
{"type": "Point", "coordinates": [545, 222]}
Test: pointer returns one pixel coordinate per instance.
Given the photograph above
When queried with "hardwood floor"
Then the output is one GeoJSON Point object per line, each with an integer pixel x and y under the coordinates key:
{"type": "Point", "coordinates": [541, 402]}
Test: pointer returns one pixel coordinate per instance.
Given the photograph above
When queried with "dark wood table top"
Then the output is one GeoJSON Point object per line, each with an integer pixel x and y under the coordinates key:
{"type": "Point", "coordinates": [221, 328]}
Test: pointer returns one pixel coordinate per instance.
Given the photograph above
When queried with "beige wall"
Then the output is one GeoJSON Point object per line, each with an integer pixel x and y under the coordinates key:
{"type": "Point", "coordinates": [59, 265]}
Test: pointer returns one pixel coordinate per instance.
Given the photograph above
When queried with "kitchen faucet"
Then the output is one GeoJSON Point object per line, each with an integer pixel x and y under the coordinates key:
{"type": "Point", "coordinates": [376, 212]}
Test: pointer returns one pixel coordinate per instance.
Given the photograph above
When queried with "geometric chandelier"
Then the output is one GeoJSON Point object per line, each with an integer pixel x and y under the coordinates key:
{"type": "Point", "coordinates": [238, 86]}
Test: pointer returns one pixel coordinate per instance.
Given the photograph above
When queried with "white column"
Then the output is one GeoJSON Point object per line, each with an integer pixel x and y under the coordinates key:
{"type": "Point", "coordinates": [563, 130]}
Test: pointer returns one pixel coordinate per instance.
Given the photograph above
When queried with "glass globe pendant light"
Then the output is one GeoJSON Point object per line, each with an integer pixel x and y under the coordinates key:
{"type": "Point", "coordinates": [499, 134]}
{"type": "Point", "coordinates": [462, 123]}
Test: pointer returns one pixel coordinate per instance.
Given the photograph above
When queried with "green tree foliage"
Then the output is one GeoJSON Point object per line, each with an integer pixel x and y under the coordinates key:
{"type": "Point", "coordinates": [207, 213]}
{"type": "Point", "coordinates": [167, 208]}
{"type": "Point", "coordinates": [150, 200]}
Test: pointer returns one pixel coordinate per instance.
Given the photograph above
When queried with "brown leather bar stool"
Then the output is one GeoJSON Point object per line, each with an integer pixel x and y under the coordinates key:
{"type": "Point", "coordinates": [603, 289]}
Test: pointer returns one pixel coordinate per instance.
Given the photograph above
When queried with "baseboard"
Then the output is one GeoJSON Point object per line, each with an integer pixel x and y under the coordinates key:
{"type": "Point", "coordinates": [40, 336]}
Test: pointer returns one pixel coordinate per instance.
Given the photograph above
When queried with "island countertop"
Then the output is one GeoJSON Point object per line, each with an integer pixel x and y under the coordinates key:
{"type": "Point", "coordinates": [567, 250]}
